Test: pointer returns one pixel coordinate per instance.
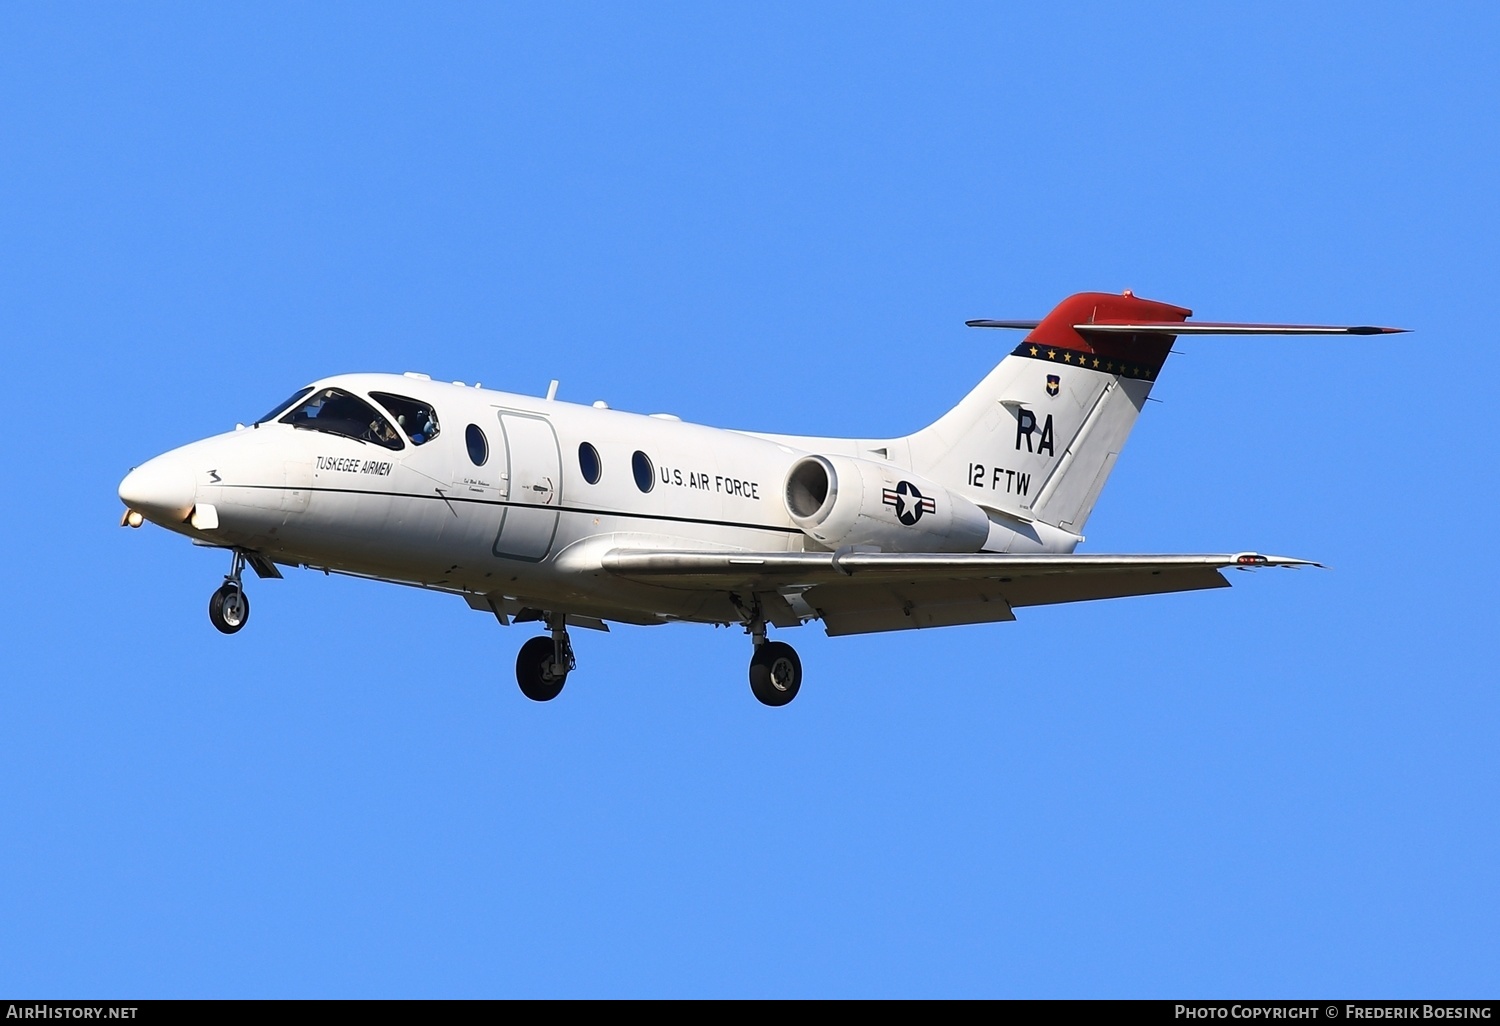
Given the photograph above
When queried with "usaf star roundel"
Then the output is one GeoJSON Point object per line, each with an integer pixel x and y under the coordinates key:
{"type": "Point", "coordinates": [910, 504]}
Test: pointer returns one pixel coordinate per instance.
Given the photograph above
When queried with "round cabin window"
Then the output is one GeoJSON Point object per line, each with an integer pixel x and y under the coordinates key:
{"type": "Point", "coordinates": [645, 474]}
{"type": "Point", "coordinates": [479, 446]}
{"type": "Point", "coordinates": [588, 462]}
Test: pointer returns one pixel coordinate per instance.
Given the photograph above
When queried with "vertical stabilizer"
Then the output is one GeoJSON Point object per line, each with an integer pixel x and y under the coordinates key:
{"type": "Point", "coordinates": [1040, 434]}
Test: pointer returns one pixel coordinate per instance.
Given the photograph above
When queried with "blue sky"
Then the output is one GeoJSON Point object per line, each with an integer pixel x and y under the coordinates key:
{"type": "Point", "coordinates": [771, 216]}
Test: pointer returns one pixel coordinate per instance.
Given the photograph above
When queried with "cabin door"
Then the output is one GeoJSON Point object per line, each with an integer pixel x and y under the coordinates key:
{"type": "Point", "coordinates": [528, 521]}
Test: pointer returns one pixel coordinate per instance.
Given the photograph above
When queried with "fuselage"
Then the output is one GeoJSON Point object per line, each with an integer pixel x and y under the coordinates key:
{"type": "Point", "coordinates": [512, 497]}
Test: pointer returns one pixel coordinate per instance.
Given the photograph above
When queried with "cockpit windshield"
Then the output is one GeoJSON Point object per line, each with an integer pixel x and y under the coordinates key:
{"type": "Point", "coordinates": [339, 413]}
{"type": "Point", "coordinates": [281, 408]}
{"type": "Point", "coordinates": [417, 419]}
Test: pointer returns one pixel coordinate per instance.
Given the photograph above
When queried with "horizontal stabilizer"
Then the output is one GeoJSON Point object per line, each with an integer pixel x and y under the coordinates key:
{"type": "Point", "coordinates": [1015, 325]}
{"type": "Point", "coordinates": [1205, 328]}
{"type": "Point", "coordinates": [1220, 328]}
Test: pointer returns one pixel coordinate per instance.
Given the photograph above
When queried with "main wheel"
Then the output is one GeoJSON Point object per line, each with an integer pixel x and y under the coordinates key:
{"type": "Point", "coordinates": [229, 609]}
{"type": "Point", "coordinates": [534, 671]}
{"type": "Point", "coordinates": [775, 673]}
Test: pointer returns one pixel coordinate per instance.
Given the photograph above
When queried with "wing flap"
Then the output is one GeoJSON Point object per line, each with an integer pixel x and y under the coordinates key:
{"type": "Point", "coordinates": [864, 609]}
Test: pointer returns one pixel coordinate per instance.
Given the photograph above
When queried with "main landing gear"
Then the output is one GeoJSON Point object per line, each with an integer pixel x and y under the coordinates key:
{"type": "Point", "coordinates": [543, 664]}
{"type": "Point", "coordinates": [775, 670]}
{"type": "Point", "coordinates": [229, 608]}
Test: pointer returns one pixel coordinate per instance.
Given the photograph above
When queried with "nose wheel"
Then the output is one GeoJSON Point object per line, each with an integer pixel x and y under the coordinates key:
{"type": "Point", "coordinates": [229, 607]}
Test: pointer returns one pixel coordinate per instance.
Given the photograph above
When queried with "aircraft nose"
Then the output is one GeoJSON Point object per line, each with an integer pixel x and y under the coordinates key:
{"type": "Point", "coordinates": [161, 489]}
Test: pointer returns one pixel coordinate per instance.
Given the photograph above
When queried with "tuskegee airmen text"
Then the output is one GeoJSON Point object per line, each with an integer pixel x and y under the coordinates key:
{"type": "Point", "coordinates": [380, 468]}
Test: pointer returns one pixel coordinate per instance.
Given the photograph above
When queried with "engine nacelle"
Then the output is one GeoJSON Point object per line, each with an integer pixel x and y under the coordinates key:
{"type": "Point", "coordinates": [840, 500]}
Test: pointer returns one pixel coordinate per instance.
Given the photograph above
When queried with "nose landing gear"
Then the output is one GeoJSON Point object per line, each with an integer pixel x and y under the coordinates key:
{"type": "Point", "coordinates": [543, 664]}
{"type": "Point", "coordinates": [229, 607]}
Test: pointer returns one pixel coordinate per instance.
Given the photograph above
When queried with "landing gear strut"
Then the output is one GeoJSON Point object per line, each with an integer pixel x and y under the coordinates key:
{"type": "Point", "coordinates": [543, 664]}
{"type": "Point", "coordinates": [775, 670]}
{"type": "Point", "coordinates": [229, 608]}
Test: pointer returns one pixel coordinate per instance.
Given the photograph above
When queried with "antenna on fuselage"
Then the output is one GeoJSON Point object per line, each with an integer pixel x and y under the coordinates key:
{"type": "Point", "coordinates": [552, 390]}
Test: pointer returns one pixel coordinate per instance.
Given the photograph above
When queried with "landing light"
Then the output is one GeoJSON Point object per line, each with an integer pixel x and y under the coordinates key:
{"type": "Point", "coordinates": [131, 519]}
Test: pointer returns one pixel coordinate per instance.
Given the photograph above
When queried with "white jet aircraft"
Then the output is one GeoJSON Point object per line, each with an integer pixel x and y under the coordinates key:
{"type": "Point", "coordinates": [536, 510]}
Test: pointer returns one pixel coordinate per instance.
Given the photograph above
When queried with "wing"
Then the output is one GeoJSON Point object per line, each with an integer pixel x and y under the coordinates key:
{"type": "Point", "coordinates": [861, 592]}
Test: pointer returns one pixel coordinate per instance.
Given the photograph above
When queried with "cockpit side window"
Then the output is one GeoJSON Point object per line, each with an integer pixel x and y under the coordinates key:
{"type": "Point", "coordinates": [282, 407]}
{"type": "Point", "coordinates": [339, 413]}
{"type": "Point", "coordinates": [417, 419]}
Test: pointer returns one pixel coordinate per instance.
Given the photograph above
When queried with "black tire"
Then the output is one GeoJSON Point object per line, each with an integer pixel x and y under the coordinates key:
{"type": "Point", "coordinates": [229, 609]}
{"type": "Point", "coordinates": [775, 673]}
{"type": "Point", "coordinates": [531, 673]}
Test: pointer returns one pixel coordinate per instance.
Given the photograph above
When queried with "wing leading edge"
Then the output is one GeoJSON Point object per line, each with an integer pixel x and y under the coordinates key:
{"type": "Point", "coordinates": [862, 592]}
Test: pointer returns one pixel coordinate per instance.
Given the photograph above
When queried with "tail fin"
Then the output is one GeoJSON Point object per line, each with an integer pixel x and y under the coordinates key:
{"type": "Point", "coordinates": [1042, 431]}
{"type": "Point", "coordinates": [1040, 434]}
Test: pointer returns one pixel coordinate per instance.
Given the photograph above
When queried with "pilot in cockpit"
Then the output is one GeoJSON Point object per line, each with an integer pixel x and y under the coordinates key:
{"type": "Point", "coordinates": [381, 432]}
{"type": "Point", "coordinates": [417, 419]}
{"type": "Point", "coordinates": [419, 426]}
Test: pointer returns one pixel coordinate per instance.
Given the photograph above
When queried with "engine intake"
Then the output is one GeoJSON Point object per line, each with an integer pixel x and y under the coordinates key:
{"type": "Point", "coordinates": [841, 500]}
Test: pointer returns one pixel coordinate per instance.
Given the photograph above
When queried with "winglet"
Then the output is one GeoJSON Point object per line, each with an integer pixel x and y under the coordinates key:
{"type": "Point", "coordinates": [1252, 560]}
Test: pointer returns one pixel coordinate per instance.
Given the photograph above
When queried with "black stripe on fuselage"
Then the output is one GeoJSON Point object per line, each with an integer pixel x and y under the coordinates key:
{"type": "Point", "coordinates": [505, 503]}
